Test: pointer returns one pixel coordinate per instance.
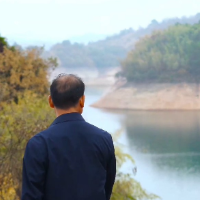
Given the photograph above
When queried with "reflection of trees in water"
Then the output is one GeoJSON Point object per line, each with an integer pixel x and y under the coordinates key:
{"type": "Point", "coordinates": [158, 140]}
{"type": "Point", "coordinates": [185, 163]}
{"type": "Point", "coordinates": [169, 138]}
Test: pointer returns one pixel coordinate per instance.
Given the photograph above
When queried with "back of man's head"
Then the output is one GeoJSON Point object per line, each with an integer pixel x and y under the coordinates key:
{"type": "Point", "coordinates": [66, 91]}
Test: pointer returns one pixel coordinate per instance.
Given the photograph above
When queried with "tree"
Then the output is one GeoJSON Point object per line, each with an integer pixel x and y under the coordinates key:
{"type": "Point", "coordinates": [3, 43]}
{"type": "Point", "coordinates": [21, 71]}
{"type": "Point", "coordinates": [171, 55]}
{"type": "Point", "coordinates": [18, 123]}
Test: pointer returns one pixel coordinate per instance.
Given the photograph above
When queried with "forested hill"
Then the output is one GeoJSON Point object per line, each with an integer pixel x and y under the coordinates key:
{"type": "Point", "coordinates": [128, 37]}
{"type": "Point", "coordinates": [109, 52]}
{"type": "Point", "coordinates": [171, 55]}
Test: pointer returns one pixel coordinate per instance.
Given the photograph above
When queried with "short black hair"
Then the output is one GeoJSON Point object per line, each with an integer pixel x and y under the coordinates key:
{"type": "Point", "coordinates": [66, 90]}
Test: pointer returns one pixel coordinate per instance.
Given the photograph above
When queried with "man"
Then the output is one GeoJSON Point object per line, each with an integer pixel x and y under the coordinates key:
{"type": "Point", "coordinates": [72, 159]}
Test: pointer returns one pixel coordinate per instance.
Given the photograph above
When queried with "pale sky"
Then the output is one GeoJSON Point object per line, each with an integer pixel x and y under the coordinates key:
{"type": "Point", "coordinates": [61, 19]}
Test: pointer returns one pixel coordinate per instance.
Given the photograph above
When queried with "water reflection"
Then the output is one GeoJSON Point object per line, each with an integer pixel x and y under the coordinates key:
{"type": "Point", "coordinates": [170, 138]}
{"type": "Point", "coordinates": [165, 146]}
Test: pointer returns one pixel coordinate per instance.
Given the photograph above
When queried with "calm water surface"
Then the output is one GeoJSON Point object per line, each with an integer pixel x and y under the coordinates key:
{"type": "Point", "coordinates": [165, 146]}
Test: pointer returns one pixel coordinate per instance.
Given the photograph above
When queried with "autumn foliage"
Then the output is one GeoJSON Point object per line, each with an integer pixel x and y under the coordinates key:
{"type": "Point", "coordinates": [21, 71]}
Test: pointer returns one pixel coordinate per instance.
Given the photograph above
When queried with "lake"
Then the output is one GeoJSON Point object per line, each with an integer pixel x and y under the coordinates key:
{"type": "Point", "coordinates": [164, 144]}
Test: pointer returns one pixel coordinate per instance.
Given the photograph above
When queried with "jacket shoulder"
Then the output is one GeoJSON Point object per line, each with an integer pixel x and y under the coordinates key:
{"type": "Point", "coordinates": [39, 137]}
{"type": "Point", "coordinates": [98, 131]}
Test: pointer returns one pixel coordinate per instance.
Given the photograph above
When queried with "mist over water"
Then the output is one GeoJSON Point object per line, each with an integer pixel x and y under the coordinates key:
{"type": "Point", "coordinates": [165, 146]}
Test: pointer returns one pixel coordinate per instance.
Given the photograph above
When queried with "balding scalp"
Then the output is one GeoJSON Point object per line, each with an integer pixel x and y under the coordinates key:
{"type": "Point", "coordinates": [66, 90]}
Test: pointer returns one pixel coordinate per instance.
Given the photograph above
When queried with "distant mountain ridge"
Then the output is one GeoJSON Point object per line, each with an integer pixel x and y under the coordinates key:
{"type": "Point", "coordinates": [127, 38]}
{"type": "Point", "coordinates": [109, 52]}
{"type": "Point", "coordinates": [86, 38]}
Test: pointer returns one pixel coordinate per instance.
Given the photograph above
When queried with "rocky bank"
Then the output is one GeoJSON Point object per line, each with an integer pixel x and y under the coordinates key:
{"type": "Point", "coordinates": [163, 96]}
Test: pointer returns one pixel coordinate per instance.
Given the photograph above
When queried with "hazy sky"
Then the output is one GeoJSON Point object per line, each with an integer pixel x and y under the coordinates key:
{"type": "Point", "coordinates": [61, 19]}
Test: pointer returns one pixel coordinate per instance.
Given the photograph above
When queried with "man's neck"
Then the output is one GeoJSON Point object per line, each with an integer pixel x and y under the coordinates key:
{"type": "Point", "coordinates": [60, 112]}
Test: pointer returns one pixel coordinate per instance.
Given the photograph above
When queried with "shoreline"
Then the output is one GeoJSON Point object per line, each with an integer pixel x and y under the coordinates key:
{"type": "Point", "coordinates": [152, 97]}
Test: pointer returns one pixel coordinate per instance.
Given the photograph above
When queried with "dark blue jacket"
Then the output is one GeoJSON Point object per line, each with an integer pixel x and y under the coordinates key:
{"type": "Point", "coordinates": [71, 160]}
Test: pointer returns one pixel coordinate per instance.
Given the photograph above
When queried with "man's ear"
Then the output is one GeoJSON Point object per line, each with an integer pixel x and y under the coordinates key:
{"type": "Point", "coordinates": [51, 102]}
{"type": "Point", "coordinates": [82, 101]}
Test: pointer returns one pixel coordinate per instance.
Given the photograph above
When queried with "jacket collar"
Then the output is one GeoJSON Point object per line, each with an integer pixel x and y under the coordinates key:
{"type": "Point", "coordinates": [68, 117]}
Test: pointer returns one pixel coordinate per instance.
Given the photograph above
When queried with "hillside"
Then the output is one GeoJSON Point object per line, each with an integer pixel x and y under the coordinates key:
{"type": "Point", "coordinates": [171, 55]}
{"type": "Point", "coordinates": [128, 37]}
{"type": "Point", "coordinates": [109, 52]}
